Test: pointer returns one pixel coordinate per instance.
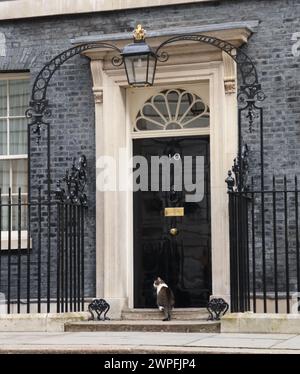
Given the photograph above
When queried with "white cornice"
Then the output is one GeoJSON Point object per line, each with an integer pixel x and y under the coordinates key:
{"type": "Point", "coordinates": [246, 27]}
{"type": "Point", "coordinates": [41, 8]}
{"type": "Point", "coordinates": [186, 51]}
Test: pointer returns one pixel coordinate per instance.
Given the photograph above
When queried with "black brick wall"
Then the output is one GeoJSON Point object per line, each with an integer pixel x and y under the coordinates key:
{"type": "Point", "coordinates": [31, 42]}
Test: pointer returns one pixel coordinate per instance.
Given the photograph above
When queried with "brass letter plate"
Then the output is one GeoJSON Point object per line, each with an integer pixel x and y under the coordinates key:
{"type": "Point", "coordinates": [174, 212]}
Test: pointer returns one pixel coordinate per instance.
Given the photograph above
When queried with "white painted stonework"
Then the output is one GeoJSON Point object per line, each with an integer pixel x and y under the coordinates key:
{"type": "Point", "coordinates": [40, 8]}
{"type": "Point", "coordinates": [261, 323]}
{"type": "Point", "coordinates": [205, 71]}
{"type": "Point", "coordinates": [45, 322]}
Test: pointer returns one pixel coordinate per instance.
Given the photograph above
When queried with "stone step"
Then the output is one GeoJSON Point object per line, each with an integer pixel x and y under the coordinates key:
{"type": "Point", "coordinates": [179, 314]}
{"type": "Point", "coordinates": [144, 326]}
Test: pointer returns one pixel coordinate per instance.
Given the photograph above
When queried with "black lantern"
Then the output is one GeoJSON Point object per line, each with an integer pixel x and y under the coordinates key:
{"type": "Point", "coordinates": [139, 60]}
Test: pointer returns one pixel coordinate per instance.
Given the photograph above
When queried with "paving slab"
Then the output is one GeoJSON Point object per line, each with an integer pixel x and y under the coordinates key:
{"type": "Point", "coordinates": [141, 334]}
{"type": "Point", "coordinates": [149, 342]}
{"type": "Point", "coordinates": [257, 335]}
{"type": "Point", "coordinates": [89, 349]}
{"type": "Point", "coordinates": [25, 338]}
{"type": "Point", "coordinates": [293, 343]}
{"type": "Point", "coordinates": [96, 338]}
{"type": "Point", "coordinates": [234, 342]}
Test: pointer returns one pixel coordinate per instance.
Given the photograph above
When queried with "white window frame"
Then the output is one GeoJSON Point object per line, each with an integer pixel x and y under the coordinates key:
{"type": "Point", "coordinates": [14, 233]}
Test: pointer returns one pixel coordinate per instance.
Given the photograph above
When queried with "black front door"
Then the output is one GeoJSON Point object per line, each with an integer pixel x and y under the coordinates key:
{"type": "Point", "coordinates": [171, 233]}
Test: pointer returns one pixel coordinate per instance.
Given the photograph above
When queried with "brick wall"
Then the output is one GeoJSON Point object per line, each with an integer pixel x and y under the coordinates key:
{"type": "Point", "coordinates": [31, 42]}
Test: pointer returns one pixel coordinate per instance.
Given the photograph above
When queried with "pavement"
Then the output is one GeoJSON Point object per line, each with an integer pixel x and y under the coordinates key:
{"type": "Point", "coordinates": [147, 342]}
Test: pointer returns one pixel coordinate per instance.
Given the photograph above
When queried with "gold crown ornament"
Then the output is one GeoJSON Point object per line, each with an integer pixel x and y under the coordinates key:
{"type": "Point", "coordinates": [139, 33]}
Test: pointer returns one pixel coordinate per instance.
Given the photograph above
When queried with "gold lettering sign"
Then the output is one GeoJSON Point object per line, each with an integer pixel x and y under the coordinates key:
{"type": "Point", "coordinates": [174, 212]}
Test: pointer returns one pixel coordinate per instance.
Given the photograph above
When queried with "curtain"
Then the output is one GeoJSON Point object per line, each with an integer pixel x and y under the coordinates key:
{"type": "Point", "coordinates": [19, 175]}
{"type": "Point", "coordinates": [18, 103]}
{"type": "Point", "coordinates": [3, 98]}
{"type": "Point", "coordinates": [17, 169]}
{"type": "Point", "coordinates": [17, 136]}
{"type": "Point", "coordinates": [18, 97]}
{"type": "Point", "coordinates": [4, 185]}
{"type": "Point", "coordinates": [3, 137]}
{"type": "Point", "coordinates": [4, 176]}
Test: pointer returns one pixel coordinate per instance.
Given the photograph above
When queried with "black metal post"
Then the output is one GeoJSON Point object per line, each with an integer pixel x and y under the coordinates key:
{"type": "Point", "coordinates": [19, 252]}
{"type": "Point", "coordinates": [28, 255]}
{"type": "Point", "coordinates": [78, 256]}
{"type": "Point", "coordinates": [9, 252]}
{"type": "Point", "coordinates": [39, 249]}
{"type": "Point", "coordinates": [71, 256]}
{"type": "Point", "coordinates": [297, 235]}
{"type": "Point", "coordinates": [58, 257]}
{"type": "Point", "coordinates": [0, 237]}
{"type": "Point", "coordinates": [231, 257]}
{"type": "Point", "coordinates": [66, 256]}
{"type": "Point", "coordinates": [247, 261]}
{"type": "Point", "coordinates": [75, 258]}
{"type": "Point", "coordinates": [240, 253]}
{"type": "Point", "coordinates": [262, 186]}
{"type": "Point", "coordinates": [286, 245]}
{"type": "Point", "coordinates": [82, 255]}
{"type": "Point", "coordinates": [275, 245]}
{"type": "Point", "coordinates": [62, 249]}
{"type": "Point", "coordinates": [253, 246]}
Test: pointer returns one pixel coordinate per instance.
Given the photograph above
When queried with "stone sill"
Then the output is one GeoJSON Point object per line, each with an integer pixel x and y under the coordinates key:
{"type": "Point", "coordinates": [43, 322]}
{"type": "Point", "coordinates": [261, 323]}
{"type": "Point", "coordinates": [14, 245]}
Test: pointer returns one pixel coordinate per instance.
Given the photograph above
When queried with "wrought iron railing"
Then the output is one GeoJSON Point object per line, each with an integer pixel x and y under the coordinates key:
{"type": "Point", "coordinates": [42, 248]}
{"type": "Point", "coordinates": [265, 247]}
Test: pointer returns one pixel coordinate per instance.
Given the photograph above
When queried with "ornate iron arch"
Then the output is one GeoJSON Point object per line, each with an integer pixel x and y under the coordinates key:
{"type": "Point", "coordinates": [39, 105]}
{"type": "Point", "coordinates": [39, 111]}
{"type": "Point", "coordinates": [249, 95]}
{"type": "Point", "coordinates": [244, 62]}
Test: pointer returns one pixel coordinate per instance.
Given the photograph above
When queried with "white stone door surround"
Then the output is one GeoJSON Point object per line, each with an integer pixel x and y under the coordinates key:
{"type": "Point", "coordinates": [114, 101]}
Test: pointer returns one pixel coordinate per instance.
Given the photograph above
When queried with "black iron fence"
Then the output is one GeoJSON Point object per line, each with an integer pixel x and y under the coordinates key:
{"type": "Point", "coordinates": [41, 254]}
{"type": "Point", "coordinates": [265, 248]}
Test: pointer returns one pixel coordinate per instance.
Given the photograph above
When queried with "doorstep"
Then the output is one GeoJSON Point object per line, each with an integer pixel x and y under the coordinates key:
{"type": "Point", "coordinates": [202, 326]}
{"type": "Point", "coordinates": [181, 314]}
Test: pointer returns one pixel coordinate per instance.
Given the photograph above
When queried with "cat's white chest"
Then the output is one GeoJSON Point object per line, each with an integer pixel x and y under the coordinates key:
{"type": "Point", "coordinates": [160, 286]}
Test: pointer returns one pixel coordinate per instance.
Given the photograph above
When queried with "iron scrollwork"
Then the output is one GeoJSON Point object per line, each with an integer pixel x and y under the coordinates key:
{"type": "Point", "coordinates": [37, 113]}
{"type": "Point", "coordinates": [38, 110]}
{"type": "Point", "coordinates": [75, 182]}
{"type": "Point", "coordinates": [240, 168]}
{"type": "Point", "coordinates": [245, 64]}
{"type": "Point", "coordinates": [248, 98]}
{"type": "Point", "coordinates": [162, 56]}
{"type": "Point", "coordinates": [217, 307]}
{"type": "Point", "coordinates": [250, 94]}
{"type": "Point", "coordinates": [99, 306]}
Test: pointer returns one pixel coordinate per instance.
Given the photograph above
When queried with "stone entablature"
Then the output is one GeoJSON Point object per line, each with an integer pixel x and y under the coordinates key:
{"type": "Point", "coordinates": [41, 8]}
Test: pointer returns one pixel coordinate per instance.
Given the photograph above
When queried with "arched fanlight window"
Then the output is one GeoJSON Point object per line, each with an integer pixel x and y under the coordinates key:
{"type": "Point", "coordinates": [173, 109]}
